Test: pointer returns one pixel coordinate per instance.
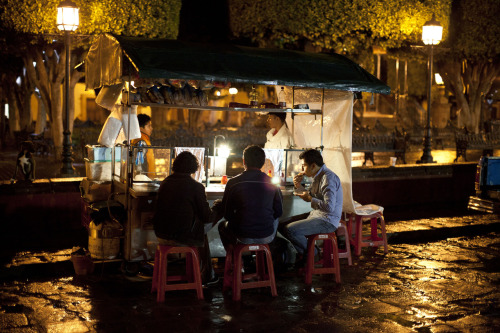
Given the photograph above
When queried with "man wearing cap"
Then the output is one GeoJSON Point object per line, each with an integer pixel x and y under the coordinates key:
{"type": "Point", "coordinates": [279, 137]}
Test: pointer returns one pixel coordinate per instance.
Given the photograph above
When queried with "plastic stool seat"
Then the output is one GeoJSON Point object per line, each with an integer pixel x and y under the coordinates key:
{"type": "Point", "coordinates": [191, 280]}
{"type": "Point", "coordinates": [330, 261]}
{"type": "Point", "coordinates": [374, 239]}
{"type": "Point", "coordinates": [236, 280]}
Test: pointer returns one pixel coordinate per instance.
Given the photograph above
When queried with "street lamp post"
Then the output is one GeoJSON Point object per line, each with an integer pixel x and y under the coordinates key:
{"type": "Point", "coordinates": [67, 21]}
{"type": "Point", "coordinates": [432, 33]}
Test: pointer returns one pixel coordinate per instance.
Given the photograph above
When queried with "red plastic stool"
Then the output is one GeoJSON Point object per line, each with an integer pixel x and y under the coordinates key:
{"type": "Point", "coordinates": [342, 230]}
{"type": "Point", "coordinates": [374, 239]}
{"type": "Point", "coordinates": [191, 280]}
{"type": "Point", "coordinates": [236, 280]}
{"type": "Point", "coordinates": [330, 261]}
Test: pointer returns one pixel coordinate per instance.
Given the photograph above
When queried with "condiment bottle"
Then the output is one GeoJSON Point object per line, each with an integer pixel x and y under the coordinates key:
{"type": "Point", "coordinates": [281, 98]}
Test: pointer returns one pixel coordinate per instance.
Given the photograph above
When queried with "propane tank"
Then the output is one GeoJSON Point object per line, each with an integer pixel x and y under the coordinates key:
{"type": "Point", "coordinates": [104, 239]}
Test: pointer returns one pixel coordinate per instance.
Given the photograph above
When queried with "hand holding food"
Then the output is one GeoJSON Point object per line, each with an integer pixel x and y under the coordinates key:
{"type": "Point", "coordinates": [297, 180]}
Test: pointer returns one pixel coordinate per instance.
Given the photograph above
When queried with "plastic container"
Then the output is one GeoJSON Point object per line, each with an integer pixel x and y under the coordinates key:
{"type": "Point", "coordinates": [82, 264]}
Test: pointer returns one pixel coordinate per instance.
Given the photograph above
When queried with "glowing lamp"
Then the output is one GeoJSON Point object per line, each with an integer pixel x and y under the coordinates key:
{"type": "Point", "coordinates": [67, 16]}
{"type": "Point", "coordinates": [223, 151]}
{"type": "Point", "coordinates": [432, 32]}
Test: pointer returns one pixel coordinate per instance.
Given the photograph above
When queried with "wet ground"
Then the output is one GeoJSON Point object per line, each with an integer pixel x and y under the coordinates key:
{"type": "Point", "coordinates": [441, 275]}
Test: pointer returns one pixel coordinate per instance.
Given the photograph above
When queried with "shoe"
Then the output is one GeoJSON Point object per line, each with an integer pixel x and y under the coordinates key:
{"type": "Point", "coordinates": [212, 282]}
{"type": "Point", "coordinates": [300, 262]}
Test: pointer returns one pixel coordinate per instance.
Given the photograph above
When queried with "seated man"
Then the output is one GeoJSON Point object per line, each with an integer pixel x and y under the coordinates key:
{"type": "Point", "coordinates": [251, 204]}
{"type": "Point", "coordinates": [325, 196]}
{"type": "Point", "coordinates": [182, 212]}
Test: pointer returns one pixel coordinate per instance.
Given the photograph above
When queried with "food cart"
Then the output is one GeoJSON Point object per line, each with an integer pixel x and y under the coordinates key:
{"type": "Point", "coordinates": [319, 89]}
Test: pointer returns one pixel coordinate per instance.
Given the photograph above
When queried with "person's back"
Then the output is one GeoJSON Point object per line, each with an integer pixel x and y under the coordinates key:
{"type": "Point", "coordinates": [182, 210]}
{"type": "Point", "coordinates": [253, 204]}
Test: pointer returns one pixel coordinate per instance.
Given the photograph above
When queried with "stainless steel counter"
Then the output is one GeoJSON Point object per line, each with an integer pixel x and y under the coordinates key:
{"type": "Point", "coordinates": [140, 241]}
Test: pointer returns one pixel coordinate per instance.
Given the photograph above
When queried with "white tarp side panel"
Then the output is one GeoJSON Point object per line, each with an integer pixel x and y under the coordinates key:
{"type": "Point", "coordinates": [199, 153]}
{"type": "Point", "coordinates": [337, 133]}
{"type": "Point", "coordinates": [103, 63]}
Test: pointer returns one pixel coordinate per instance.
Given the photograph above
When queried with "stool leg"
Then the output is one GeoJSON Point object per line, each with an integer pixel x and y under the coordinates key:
{"type": "Point", "coordinates": [237, 275]}
{"type": "Point", "coordinates": [270, 269]}
{"type": "Point", "coordinates": [228, 271]}
{"type": "Point", "coordinates": [162, 279]}
{"type": "Point", "coordinates": [384, 234]}
{"type": "Point", "coordinates": [374, 223]}
{"type": "Point", "coordinates": [359, 235]}
{"type": "Point", "coordinates": [155, 271]}
{"type": "Point", "coordinates": [335, 259]}
{"type": "Point", "coordinates": [348, 248]}
{"type": "Point", "coordinates": [310, 260]}
{"type": "Point", "coordinates": [195, 268]}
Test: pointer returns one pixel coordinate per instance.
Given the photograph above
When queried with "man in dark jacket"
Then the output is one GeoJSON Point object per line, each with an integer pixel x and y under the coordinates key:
{"type": "Point", "coordinates": [251, 204]}
{"type": "Point", "coordinates": [182, 211]}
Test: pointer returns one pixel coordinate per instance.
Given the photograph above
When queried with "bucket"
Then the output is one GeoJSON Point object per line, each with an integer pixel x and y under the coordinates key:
{"type": "Point", "coordinates": [82, 264]}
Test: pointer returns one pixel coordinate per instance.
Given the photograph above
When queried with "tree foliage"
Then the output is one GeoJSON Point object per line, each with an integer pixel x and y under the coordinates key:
{"type": "Point", "coordinates": [38, 40]}
{"type": "Point", "coordinates": [343, 26]}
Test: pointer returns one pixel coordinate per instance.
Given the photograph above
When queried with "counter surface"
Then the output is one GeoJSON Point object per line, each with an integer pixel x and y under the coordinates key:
{"type": "Point", "coordinates": [140, 239]}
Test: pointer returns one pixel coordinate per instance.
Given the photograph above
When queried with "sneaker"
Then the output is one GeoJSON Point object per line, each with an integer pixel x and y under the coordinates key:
{"type": "Point", "coordinates": [212, 282]}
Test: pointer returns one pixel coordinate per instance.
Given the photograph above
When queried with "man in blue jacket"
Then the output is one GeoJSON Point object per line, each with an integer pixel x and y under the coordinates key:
{"type": "Point", "coordinates": [325, 196]}
{"type": "Point", "coordinates": [251, 204]}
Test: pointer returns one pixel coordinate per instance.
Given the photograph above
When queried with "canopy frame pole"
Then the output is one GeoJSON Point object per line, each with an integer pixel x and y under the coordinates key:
{"type": "Point", "coordinates": [322, 112]}
{"type": "Point", "coordinates": [293, 115]}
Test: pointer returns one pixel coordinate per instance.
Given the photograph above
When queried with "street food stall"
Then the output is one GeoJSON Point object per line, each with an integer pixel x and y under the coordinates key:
{"type": "Point", "coordinates": [319, 93]}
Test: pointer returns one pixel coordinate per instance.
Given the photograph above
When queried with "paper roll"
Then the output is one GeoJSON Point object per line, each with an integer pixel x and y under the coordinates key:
{"type": "Point", "coordinates": [109, 132]}
{"type": "Point", "coordinates": [135, 131]}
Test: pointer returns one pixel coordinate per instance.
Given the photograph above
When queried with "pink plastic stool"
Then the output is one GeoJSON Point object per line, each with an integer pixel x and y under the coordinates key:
{"type": "Point", "coordinates": [330, 262]}
{"type": "Point", "coordinates": [236, 280]}
{"type": "Point", "coordinates": [374, 239]}
{"type": "Point", "coordinates": [191, 280]}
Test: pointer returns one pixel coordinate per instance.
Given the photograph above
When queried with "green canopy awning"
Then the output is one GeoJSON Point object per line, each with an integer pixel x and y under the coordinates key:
{"type": "Point", "coordinates": [173, 59]}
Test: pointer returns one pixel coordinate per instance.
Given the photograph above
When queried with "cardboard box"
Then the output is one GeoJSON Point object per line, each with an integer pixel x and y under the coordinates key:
{"type": "Point", "coordinates": [95, 190]}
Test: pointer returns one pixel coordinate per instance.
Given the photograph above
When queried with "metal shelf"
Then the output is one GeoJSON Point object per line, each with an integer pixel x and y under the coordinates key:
{"type": "Point", "coordinates": [218, 108]}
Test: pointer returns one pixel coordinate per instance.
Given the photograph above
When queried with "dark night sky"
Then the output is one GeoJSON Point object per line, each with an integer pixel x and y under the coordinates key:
{"type": "Point", "coordinates": [204, 21]}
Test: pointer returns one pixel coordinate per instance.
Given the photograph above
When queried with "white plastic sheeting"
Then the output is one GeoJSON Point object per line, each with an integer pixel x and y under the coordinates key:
{"type": "Point", "coordinates": [336, 132]}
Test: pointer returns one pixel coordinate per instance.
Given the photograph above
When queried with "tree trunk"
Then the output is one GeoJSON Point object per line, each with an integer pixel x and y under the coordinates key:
{"type": "Point", "coordinates": [469, 81]}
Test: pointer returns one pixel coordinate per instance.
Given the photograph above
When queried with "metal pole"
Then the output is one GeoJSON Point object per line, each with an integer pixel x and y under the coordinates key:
{"type": "Point", "coordinates": [67, 160]}
{"type": "Point", "coordinates": [397, 86]}
{"type": "Point", "coordinates": [426, 156]}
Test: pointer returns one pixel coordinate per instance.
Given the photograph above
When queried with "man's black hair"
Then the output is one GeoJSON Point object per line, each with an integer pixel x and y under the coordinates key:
{"type": "Point", "coordinates": [311, 156]}
{"type": "Point", "coordinates": [143, 119]}
{"type": "Point", "coordinates": [185, 162]}
{"type": "Point", "coordinates": [254, 157]}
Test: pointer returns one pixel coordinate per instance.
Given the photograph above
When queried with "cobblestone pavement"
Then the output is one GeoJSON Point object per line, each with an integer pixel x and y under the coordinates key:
{"type": "Point", "coordinates": [441, 275]}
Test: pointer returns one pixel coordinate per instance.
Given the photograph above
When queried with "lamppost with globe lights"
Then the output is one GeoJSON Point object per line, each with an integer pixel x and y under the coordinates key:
{"type": "Point", "coordinates": [67, 21]}
{"type": "Point", "coordinates": [432, 33]}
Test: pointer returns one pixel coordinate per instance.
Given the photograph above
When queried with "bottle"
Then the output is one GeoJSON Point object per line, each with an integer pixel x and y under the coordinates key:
{"type": "Point", "coordinates": [269, 173]}
{"type": "Point", "coordinates": [281, 98]}
{"type": "Point", "coordinates": [254, 101]}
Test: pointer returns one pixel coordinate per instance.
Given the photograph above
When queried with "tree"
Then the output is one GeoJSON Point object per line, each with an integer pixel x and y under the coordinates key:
{"type": "Point", "coordinates": [39, 42]}
{"type": "Point", "coordinates": [473, 62]}
{"type": "Point", "coordinates": [350, 27]}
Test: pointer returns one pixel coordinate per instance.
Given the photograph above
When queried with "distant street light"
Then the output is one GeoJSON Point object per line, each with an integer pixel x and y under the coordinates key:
{"type": "Point", "coordinates": [67, 21]}
{"type": "Point", "coordinates": [432, 33]}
